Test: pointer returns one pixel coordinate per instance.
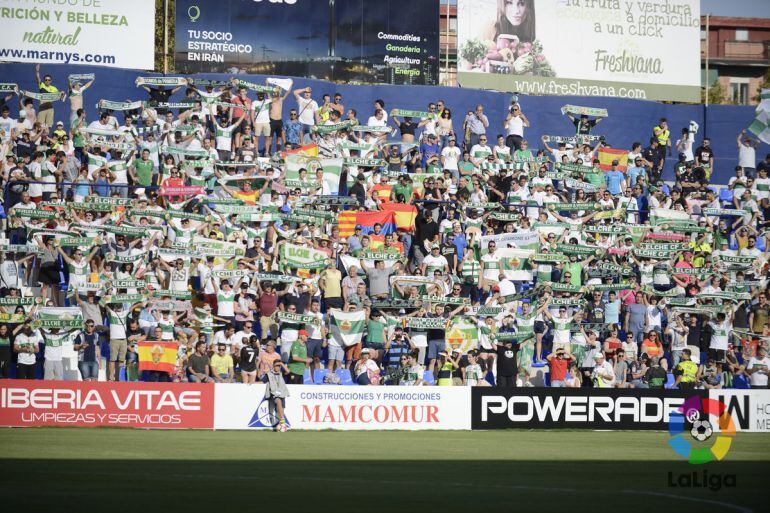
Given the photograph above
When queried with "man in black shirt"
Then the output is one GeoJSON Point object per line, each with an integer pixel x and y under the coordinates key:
{"type": "Point", "coordinates": [160, 95]}
{"type": "Point", "coordinates": [449, 251]}
{"type": "Point", "coordinates": [704, 157]}
{"type": "Point", "coordinates": [87, 344]}
{"type": "Point", "coordinates": [358, 191]}
{"type": "Point", "coordinates": [583, 125]}
{"type": "Point", "coordinates": [298, 296]}
{"type": "Point", "coordinates": [503, 183]}
{"type": "Point", "coordinates": [426, 231]}
{"type": "Point", "coordinates": [654, 154]}
{"type": "Point", "coordinates": [506, 363]}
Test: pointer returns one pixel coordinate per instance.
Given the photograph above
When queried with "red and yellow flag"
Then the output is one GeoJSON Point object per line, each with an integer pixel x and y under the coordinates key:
{"type": "Point", "coordinates": [607, 155]}
{"type": "Point", "coordinates": [309, 150]}
{"type": "Point", "coordinates": [157, 356]}
{"type": "Point", "coordinates": [404, 214]}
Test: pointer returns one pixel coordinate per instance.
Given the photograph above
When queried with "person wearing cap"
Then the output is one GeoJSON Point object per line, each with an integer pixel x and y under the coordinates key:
{"type": "Point", "coordinates": [298, 359]}
{"type": "Point", "coordinates": [366, 370]}
{"type": "Point", "coordinates": [434, 261]}
{"type": "Point", "coordinates": [603, 375]}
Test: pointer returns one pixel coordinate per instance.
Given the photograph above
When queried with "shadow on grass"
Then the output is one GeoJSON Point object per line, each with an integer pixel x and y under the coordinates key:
{"type": "Point", "coordinates": [341, 486]}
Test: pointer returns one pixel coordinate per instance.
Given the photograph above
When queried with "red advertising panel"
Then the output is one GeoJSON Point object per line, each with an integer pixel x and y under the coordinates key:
{"type": "Point", "coordinates": [76, 404]}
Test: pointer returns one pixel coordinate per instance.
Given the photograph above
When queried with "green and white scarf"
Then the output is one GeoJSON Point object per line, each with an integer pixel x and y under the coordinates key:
{"type": "Point", "coordinates": [43, 97]}
{"type": "Point", "coordinates": [417, 114]}
{"type": "Point", "coordinates": [119, 106]}
{"type": "Point", "coordinates": [161, 81]}
{"type": "Point", "coordinates": [588, 111]}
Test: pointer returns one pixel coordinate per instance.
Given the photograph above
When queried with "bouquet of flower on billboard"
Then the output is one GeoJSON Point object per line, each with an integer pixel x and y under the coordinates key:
{"type": "Point", "coordinates": [506, 56]}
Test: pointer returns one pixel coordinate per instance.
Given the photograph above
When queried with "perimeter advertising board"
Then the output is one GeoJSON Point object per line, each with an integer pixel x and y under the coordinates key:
{"type": "Point", "coordinates": [575, 408]}
{"type": "Point", "coordinates": [113, 33]}
{"type": "Point", "coordinates": [29, 403]}
{"type": "Point", "coordinates": [391, 41]}
{"type": "Point", "coordinates": [645, 50]}
{"type": "Point", "coordinates": [346, 407]}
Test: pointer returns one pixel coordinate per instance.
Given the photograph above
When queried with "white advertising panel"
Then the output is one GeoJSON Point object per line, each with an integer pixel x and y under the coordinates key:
{"type": "Point", "coordinates": [113, 33]}
{"type": "Point", "coordinates": [346, 408]}
{"type": "Point", "coordinates": [644, 50]}
{"type": "Point", "coordinates": [749, 409]}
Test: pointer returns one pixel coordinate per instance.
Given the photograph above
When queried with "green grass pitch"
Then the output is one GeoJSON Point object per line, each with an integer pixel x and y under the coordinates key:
{"type": "Point", "coordinates": [57, 470]}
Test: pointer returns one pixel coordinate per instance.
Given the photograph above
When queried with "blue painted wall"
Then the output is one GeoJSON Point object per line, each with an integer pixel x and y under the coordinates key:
{"type": "Point", "coordinates": [630, 120]}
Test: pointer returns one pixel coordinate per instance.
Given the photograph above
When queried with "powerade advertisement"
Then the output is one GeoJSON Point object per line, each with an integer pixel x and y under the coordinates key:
{"type": "Point", "coordinates": [351, 41]}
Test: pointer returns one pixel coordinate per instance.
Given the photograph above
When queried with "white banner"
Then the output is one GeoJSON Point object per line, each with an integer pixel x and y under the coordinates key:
{"type": "Point", "coordinates": [749, 409]}
{"type": "Point", "coordinates": [346, 407]}
{"type": "Point", "coordinates": [581, 48]}
{"type": "Point", "coordinates": [112, 33]}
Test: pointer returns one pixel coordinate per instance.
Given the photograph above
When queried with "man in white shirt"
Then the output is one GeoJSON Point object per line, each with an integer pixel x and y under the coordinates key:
{"type": "Point", "coordinates": [261, 117]}
{"type": "Point", "coordinates": [480, 151]}
{"type": "Point", "coordinates": [603, 373]}
{"type": "Point", "coordinates": [515, 122]}
{"type": "Point", "coordinates": [758, 368]}
{"type": "Point", "coordinates": [307, 107]}
{"type": "Point", "coordinates": [378, 119]}
{"type": "Point", "coordinates": [226, 336]}
{"type": "Point", "coordinates": [26, 345]}
{"type": "Point", "coordinates": [450, 157]}
{"type": "Point", "coordinates": [747, 157]}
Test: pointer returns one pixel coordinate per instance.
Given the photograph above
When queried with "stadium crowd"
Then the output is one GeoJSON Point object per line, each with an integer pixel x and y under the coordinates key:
{"type": "Point", "coordinates": [263, 230]}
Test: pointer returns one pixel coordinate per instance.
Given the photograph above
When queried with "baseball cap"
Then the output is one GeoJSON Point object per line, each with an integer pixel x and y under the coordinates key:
{"type": "Point", "coordinates": [365, 350]}
{"type": "Point", "coordinates": [598, 355]}
{"type": "Point", "coordinates": [359, 227]}
{"type": "Point", "coordinates": [303, 332]}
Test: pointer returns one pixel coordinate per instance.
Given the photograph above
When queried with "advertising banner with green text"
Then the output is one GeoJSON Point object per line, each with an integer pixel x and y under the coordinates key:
{"type": "Point", "coordinates": [113, 33]}
{"type": "Point", "coordinates": [581, 47]}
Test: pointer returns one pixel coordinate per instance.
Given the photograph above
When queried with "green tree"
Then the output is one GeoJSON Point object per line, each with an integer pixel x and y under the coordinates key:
{"type": "Point", "coordinates": [159, 34]}
{"type": "Point", "coordinates": [765, 84]}
{"type": "Point", "coordinates": [717, 93]}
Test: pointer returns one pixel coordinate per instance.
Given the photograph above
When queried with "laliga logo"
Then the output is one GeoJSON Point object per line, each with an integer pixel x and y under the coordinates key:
{"type": "Point", "coordinates": [701, 430]}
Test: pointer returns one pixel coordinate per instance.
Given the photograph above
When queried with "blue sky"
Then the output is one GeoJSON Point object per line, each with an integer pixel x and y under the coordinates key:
{"type": "Point", "coordinates": [745, 8]}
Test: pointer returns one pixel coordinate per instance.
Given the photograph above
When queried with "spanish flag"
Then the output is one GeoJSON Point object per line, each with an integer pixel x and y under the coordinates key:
{"type": "Point", "coordinates": [157, 356]}
{"type": "Point", "coordinates": [309, 150]}
{"type": "Point", "coordinates": [404, 215]}
{"type": "Point", "coordinates": [607, 155]}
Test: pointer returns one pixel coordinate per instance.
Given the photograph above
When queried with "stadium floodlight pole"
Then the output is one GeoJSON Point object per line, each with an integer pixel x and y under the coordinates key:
{"type": "Point", "coordinates": [332, 29]}
{"type": "Point", "coordinates": [446, 32]}
{"type": "Point", "coordinates": [707, 61]}
{"type": "Point", "coordinates": [165, 37]}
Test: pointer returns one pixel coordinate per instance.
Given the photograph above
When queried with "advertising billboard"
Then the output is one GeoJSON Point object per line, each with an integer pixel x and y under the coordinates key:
{"type": "Point", "coordinates": [575, 408]}
{"type": "Point", "coordinates": [112, 33]}
{"type": "Point", "coordinates": [30, 403]}
{"type": "Point", "coordinates": [346, 408]}
{"type": "Point", "coordinates": [353, 41]}
{"type": "Point", "coordinates": [643, 50]}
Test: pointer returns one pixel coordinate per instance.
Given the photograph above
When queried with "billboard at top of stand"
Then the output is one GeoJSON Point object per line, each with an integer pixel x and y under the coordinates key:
{"type": "Point", "coordinates": [647, 50]}
{"type": "Point", "coordinates": [113, 33]}
{"type": "Point", "coordinates": [353, 41]}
